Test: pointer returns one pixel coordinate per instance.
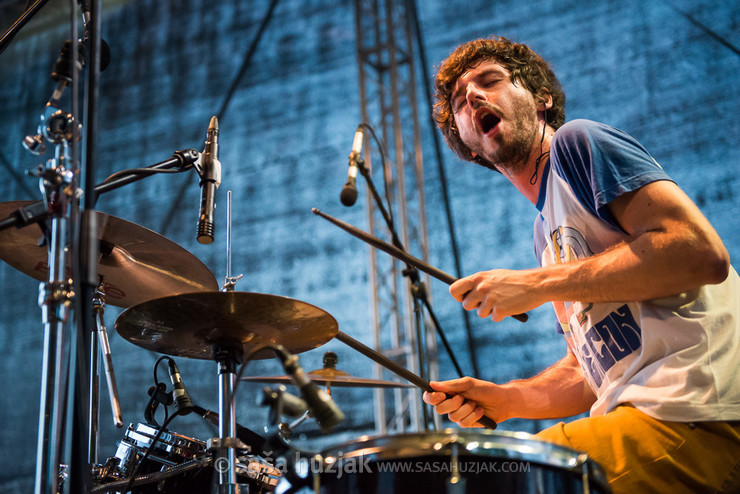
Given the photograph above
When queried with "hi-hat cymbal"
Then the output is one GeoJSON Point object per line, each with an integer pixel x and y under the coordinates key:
{"type": "Point", "coordinates": [137, 263]}
{"type": "Point", "coordinates": [193, 324]}
{"type": "Point", "coordinates": [330, 376]}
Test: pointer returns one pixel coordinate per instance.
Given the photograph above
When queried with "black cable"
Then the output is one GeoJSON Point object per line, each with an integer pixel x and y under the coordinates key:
{"type": "Point", "coordinates": [157, 382]}
{"type": "Point", "coordinates": [162, 428]}
{"type": "Point", "coordinates": [245, 360]}
{"type": "Point", "coordinates": [381, 151]}
{"type": "Point", "coordinates": [142, 172]}
{"type": "Point", "coordinates": [150, 478]}
{"type": "Point", "coordinates": [247, 60]}
{"type": "Point", "coordinates": [28, 13]}
{"type": "Point", "coordinates": [149, 450]}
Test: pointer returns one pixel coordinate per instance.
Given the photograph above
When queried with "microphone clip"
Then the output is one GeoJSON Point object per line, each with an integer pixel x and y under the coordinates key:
{"type": "Point", "coordinates": [158, 395]}
{"type": "Point", "coordinates": [282, 403]}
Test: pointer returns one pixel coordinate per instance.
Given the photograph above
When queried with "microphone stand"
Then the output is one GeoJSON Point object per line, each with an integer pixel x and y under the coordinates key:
{"type": "Point", "coordinates": [416, 287]}
{"type": "Point", "coordinates": [26, 16]}
{"type": "Point", "coordinates": [398, 254]}
{"type": "Point", "coordinates": [70, 234]}
{"type": "Point", "coordinates": [60, 396]}
{"type": "Point", "coordinates": [55, 298]}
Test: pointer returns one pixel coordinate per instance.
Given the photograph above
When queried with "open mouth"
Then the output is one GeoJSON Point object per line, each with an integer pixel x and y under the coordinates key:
{"type": "Point", "coordinates": [487, 120]}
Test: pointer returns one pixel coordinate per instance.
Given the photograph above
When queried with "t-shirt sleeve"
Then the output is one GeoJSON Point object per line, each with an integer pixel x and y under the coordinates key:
{"type": "Point", "coordinates": [600, 163]}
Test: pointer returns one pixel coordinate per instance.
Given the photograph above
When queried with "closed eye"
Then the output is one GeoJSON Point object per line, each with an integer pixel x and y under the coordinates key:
{"type": "Point", "coordinates": [457, 104]}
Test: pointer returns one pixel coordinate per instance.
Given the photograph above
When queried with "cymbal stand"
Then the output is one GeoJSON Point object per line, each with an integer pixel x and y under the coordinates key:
{"type": "Point", "coordinates": [227, 361]}
{"type": "Point", "coordinates": [227, 442]}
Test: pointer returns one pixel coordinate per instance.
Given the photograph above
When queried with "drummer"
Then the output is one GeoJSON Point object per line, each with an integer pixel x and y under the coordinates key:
{"type": "Point", "coordinates": [642, 286]}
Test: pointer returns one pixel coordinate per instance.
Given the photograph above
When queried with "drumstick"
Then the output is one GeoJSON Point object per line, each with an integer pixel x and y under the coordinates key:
{"type": "Point", "coordinates": [400, 371]}
{"type": "Point", "coordinates": [398, 253]}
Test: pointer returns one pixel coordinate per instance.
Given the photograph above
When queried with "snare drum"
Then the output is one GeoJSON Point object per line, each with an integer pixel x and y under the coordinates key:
{"type": "Point", "coordinates": [458, 461]}
{"type": "Point", "coordinates": [172, 450]}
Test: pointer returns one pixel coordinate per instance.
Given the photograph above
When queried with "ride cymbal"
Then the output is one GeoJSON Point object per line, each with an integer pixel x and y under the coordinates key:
{"type": "Point", "coordinates": [194, 324]}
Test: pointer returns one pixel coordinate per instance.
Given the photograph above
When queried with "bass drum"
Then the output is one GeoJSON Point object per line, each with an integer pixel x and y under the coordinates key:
{"type": "Point", "coordinates": [457, 461]}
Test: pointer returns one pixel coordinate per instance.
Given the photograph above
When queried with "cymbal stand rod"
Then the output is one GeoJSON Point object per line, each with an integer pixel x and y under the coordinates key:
{"type": "Point", "coordinates": [229, 281]}
{"type": "Point", "coordinates": [226, 453]}
{"type": "Point", "coordinates": [228, 234]}
{"type": "Point", "coordinates": [93, 399]}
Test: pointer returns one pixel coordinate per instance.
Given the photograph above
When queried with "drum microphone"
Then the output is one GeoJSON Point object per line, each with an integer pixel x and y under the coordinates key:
{"type": "Point", "coordinates": [290, 405]}
{"type": "Point", "coordinates": [180, 395]}
{"type": "Point", "coordinates": [320, 404]}
{"type": "Point", "coordinates": [210, 178]}
{"type": "Point", "coordinates": [349, 191]}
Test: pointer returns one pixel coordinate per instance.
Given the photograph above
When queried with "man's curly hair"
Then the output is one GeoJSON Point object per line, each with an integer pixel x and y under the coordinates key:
{"type": "Point", "coordinates": [524, 65]}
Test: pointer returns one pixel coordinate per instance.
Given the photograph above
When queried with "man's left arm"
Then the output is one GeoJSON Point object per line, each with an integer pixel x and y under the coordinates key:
{"type": "Point", "coordinates": [671, 248]}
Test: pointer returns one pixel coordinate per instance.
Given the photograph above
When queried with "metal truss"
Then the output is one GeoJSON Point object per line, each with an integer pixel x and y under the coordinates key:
{"type": "Point", "coordinates": [389, 105]}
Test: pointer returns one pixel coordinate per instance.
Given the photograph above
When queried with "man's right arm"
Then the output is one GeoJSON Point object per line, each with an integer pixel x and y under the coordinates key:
{"type": "Point", "coordinates": [557, 392]}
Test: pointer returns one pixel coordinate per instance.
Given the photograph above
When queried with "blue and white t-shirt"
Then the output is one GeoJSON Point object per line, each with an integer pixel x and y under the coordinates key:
{"type": "Point", "coordinates": [675, 358]}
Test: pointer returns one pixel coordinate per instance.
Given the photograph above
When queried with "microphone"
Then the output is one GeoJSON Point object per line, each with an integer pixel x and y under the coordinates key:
{"type": "Point", "coordinates": [210, 178]}
{"type": "Point", "coordinates": [349, 191]}
{"type": "Point", "coordinates": [180, 395]}
{"type": "Point", "coordinates": [290, 405]}
{"type": "Point", "coordinates": [320, 404]}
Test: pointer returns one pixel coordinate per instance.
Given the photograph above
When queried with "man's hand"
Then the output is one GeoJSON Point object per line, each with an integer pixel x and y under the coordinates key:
{"type": "Point", "coordinates": [670, 248]}
{"type": "Point", "coordinates": [470, 399]}
{"type": "Point", "coordinates": [557, 392]}
{"type": "Point", "coordinates": [497, 293]}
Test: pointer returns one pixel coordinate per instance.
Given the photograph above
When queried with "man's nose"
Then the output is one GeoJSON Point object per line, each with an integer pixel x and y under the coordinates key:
{"type": "Point", "coordinates": [474, 95]}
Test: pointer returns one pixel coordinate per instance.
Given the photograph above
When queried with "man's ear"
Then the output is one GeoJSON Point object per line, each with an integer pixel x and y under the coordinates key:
{"type": "Point", "coordinates": [544, 100]}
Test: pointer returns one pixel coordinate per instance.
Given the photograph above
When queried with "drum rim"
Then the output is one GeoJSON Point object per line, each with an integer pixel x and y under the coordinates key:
{"type": "Point", "coordinates": [510, 445]}
{"type": "Point", "coordinates": [141, 436]}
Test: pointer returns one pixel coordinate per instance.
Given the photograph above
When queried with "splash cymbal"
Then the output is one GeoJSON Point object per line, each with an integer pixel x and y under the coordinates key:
{"type": "Point", "coordinates": [193, 324]}
{"type": "Point", "coordinates": [137, 264]}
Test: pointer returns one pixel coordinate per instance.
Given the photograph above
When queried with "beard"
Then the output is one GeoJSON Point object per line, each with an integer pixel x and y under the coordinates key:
{"type": "Point", "coordinates": [513, 150]}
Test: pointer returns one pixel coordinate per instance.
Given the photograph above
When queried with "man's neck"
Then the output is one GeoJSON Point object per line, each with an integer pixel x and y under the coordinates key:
{"type": "Point", "coordinates": [527, 180]}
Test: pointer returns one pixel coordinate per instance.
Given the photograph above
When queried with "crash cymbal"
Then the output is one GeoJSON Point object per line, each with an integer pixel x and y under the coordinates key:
{"type": "Point", "coordinates": [137, 263]}
{"type": "Point", "coordinates": [329, 375]}
{"type": "Point", "coordinates": [192, 324]}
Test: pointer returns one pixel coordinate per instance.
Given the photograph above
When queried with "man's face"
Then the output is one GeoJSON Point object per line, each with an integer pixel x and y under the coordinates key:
{"type": "Point", "coordinates": [497, 118]}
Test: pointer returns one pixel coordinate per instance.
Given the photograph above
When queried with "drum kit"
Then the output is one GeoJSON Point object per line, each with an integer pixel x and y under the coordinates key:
{"type": "Point", "coordinates": [174, 306]}
{"type": "Point", "coordinates": [196, 320]}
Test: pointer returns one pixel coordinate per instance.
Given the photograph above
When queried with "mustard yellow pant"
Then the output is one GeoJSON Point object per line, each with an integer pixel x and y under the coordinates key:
{"type": "Point", "coordinates": [643, 455]}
